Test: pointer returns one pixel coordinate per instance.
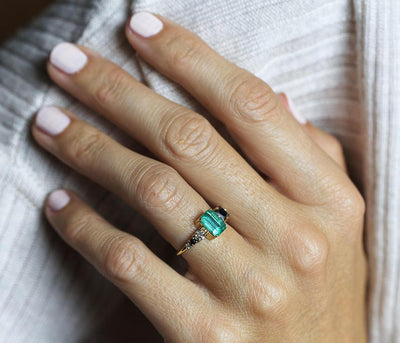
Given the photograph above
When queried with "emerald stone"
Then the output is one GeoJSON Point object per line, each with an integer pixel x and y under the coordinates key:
{"type": "Point", "coordinates": [212, 222]}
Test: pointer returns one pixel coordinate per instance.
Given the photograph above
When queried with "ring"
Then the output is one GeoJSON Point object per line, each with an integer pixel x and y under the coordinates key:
{"type": "Point", "coordinates": [209, 225]}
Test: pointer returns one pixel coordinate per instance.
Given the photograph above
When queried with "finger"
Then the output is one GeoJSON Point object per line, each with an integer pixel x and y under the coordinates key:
{"type": "Point", "coordinates": [154, 189]}
{"type": "Point", "coordinates": [264, 129]}
{"type": "Point", "coordinates": [127, 262]}
{"type": "Point", "coordinates": [183, 139]}
{"type": "Point", "coordinates": [328, 143]}
{"type": "Point", "coordinates": [325, 141]}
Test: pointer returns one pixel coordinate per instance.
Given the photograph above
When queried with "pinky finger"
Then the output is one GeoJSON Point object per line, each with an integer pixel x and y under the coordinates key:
{"type": "Point", "coordinates": [324, 140]}
{"type": "Point", "coordinates": [165, 297]}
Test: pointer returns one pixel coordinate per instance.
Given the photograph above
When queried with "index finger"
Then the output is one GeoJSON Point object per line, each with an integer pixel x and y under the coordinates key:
{"type": "Point", "coordinates": [268, 134]}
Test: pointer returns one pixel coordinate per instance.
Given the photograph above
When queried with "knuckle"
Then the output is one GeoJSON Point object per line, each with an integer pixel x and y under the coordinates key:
{"type": "Point", "coordinates": [350, 210]}
{"type": "Point", "coordinates": [123, 258]}
{"type": "Point", "coordinates": [157, 186]}
{"type": "Point", "coordinates": [189, 136]}
{"type": "Point", "coordinates": [310, 255]}
{"type": "Point", "coordinates": [221, 331]}
{"type": "Point", "coordinates": [110, 87]}
{"type": "Point", "coordinates": [267, 297]}
{"type": "Point", "coordinates": [353, 203]}
{"type": "Point", "coordinates": [253, 100]}
{"type": "Point", "coordinates": [183, 50]}
{"type": "Point", "coordinates": [85, 146]}
{"type": "Point", "coordinates": [347, 203]}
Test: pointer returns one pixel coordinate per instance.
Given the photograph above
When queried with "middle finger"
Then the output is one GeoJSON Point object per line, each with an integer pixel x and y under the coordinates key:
{"type": "Point", "coordinates": [179, 136]}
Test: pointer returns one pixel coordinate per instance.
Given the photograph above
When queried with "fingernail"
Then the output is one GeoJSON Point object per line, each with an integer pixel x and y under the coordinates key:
{"type": "Point", "coordinates": [52, 121]}
{"type": "Point", "coordinates": [298, 116]}
{"type": "Point", "coordinates": [145, 24]}
{"type": "Point", "coordinates": [58, 200]}
{"type": "Point", "coordinates": [68, 58]}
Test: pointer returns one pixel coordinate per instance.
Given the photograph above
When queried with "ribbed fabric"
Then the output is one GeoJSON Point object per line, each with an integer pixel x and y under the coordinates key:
{"type": "Point", "coordinates": [379, 61]}
{"type": "Point", "coordinates": [338, 60]}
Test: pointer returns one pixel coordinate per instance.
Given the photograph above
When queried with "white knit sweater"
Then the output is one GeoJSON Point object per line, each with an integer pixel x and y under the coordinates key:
{"type": "Point", "coordinates": [338, 59]}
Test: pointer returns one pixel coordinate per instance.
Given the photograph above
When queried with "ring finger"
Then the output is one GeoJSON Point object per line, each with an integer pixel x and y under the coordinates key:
{"type": "Point", "coordinates": [153, 188]}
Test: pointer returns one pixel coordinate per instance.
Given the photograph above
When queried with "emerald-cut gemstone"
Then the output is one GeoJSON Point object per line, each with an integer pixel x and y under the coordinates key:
{"type": "Point", "coordinates": [212, 222]}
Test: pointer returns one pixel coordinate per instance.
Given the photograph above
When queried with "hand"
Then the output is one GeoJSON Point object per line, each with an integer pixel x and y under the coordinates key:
{"type": "Point", "coordinates": [290, 267]}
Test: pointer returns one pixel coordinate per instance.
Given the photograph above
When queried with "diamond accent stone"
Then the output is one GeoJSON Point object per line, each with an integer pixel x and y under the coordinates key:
{"type": "Point", "coordinates": [197, 237]}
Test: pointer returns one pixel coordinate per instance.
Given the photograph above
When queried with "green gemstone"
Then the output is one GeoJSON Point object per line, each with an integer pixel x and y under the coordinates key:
{"type": "Point", "coordinates": [212, 222]}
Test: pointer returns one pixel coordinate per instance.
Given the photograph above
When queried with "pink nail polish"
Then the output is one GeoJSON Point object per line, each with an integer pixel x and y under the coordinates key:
{"type": "Point", "coordinates": [68, 58]}
{"type": "Point", "coordinates": [145, 24]}
{"type": "Point", "coordinates": [52, 120]}
{"type": "Point", "coordinates": [58, 200]}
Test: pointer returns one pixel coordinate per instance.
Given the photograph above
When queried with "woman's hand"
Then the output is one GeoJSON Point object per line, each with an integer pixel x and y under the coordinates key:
{"type": "Point", "coordinates": [290, 267]}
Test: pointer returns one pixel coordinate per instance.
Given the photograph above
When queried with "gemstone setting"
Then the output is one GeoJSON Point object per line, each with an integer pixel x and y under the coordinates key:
{"type": "Point", "coordinates": [212, 221]}
{"type": "Point", "coordinates": [209, 225]}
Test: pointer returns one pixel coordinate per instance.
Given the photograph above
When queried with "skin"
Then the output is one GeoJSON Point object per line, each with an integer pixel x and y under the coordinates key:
{"type": "Point", "coordinates": [291, 265]}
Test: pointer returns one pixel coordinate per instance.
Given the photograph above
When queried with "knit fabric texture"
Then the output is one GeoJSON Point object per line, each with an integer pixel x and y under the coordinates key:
{"type": "Point", "coordinates": [337, 59]}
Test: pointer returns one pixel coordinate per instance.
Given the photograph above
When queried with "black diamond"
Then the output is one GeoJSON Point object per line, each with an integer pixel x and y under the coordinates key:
{"type": "Point", "coordinates": [193, 241]}
{"type": "Point", "coordinates": [221, 212]}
